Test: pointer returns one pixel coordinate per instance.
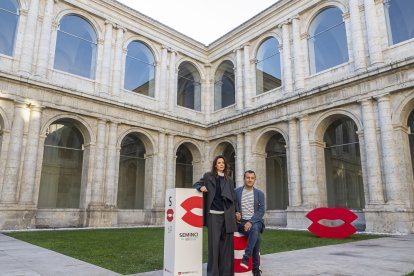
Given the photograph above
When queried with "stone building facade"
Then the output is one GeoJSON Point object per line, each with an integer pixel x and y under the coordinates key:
{"type": "Point", "coordinates": [103, 108]}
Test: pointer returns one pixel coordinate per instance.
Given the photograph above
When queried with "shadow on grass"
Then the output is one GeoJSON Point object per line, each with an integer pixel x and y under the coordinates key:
{"type": "Point", "coordinates": [135, 250]}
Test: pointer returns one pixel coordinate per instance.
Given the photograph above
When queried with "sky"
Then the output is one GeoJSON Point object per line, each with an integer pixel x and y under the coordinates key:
{"type": "Point", "coordinates": [202, 20]}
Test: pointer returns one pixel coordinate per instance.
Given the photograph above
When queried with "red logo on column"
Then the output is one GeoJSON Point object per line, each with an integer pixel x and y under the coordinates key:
{"type": "Point", "coordinates": [189, 217]}
{"type": "Point", "coordinates": [338, 232]}
{"type": "Point", "coordinates": [170, 215]}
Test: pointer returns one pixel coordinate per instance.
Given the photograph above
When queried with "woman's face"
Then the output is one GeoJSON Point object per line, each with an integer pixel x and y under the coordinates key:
{"type": "Point", "coordinates": [220, 165]}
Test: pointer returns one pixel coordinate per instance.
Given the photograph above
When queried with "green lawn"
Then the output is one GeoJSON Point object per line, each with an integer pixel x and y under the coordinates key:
{"type": "Point", "coordinates": [135, 250]}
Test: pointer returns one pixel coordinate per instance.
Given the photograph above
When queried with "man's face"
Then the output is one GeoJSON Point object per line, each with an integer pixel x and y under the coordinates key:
{"type": "Point", "coordinates": [249, 179]}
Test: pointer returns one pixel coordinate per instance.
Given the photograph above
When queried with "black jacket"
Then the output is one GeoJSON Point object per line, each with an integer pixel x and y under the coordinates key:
{"type": "Point", "coordinates": [229, 199]}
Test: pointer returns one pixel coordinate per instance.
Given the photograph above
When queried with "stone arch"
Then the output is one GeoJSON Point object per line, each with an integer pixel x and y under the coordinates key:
{"type": "Point", "coordinates": [197, 164]}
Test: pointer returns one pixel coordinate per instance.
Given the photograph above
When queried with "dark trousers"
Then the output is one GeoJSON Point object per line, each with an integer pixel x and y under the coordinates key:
{"type": "Point", "coordinates": [220, 247]}
{"type": "Point", "coordinates": [253, 241]}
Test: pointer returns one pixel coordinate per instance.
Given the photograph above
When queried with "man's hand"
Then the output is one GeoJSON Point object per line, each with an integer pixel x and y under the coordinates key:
{"type": "Point", "coordinates": [203, 189]}
{"type": "Point", "coordinates": [238, 217]}
{"type": "Point", "coordinates": [247, 226]}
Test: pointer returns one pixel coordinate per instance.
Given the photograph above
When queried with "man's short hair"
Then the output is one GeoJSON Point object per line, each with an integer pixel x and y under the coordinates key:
{"type": "Point", "coordinates": [249, 171]}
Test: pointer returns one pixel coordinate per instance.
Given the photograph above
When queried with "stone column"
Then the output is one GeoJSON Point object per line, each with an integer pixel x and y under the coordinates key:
{"type": "Point", "coordinates": [239, 159]}
{"type": "Point", "coordinates": [172, 91]}
{"type": "Point", "coordinates": [239, 80]}
{"type": "Point", "coordinates": [11, 173]}
{"type": "Point", "coordinates": [44, 43]}
{"type": "Point", "coordinates": [30, 157]}
{"type": "Point", "coordinates": [107, 57]}
{"type": "Point", "coordinates": [248, 154]}
{"type": "Point", "coordinates": [357, 36]}
{"type": "Point", "coordinates": [111, 183]}
{"type": "Point", "coordinates": [294, 170]}
{"type": "Point", "coordinates": [393, 185]}
{"type": "Point", "coordinates": [163, 93]}
{"type": "Point", "coordinates": [29, 38]}
{"type": "Point", "coordinates": [117, 68]}
{"type": "Point", "coordinates": [309, 187]}
{"type": "Point", "coordinates": [373, 33]}
{"type": "Point", "coordinates": [287, 66]}
{"type": "Point", "coordinates": [170, 171]}
{"type": "Point", "coordinates": [297, 54]}
{"type": "Point", "coordinates": [207, 93]}
{"type": "Point", "coordinates": [249, 93]}
{"type": "Point", "coordinates": [375, 188]}
{"type": "Point", "coordinates": [99, 162]}
{"type": "Point", "coordinates": [159, 183]}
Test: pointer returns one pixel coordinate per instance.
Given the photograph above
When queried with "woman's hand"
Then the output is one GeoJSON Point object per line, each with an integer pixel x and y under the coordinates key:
{"type": "Point", "coordinates": [203, 189]}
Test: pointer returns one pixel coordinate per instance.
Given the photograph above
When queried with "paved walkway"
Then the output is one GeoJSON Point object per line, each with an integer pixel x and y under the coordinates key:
{"type": "Point", "coordinates": [384, 256]}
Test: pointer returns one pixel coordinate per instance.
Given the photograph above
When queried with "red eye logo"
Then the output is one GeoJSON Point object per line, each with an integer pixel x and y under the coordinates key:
{"type": "Point", "coordinates": [338, 232]}
{"type": "Point", "coordinates": [170, 215]}
{"type": "Point", "coordinates": [189, 217]}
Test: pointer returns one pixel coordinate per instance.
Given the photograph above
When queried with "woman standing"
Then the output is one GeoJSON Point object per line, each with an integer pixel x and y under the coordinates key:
{"type": "Point", "coordinates": [219, 214]}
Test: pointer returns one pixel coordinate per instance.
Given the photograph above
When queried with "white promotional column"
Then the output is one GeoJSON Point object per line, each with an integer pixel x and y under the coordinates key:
{"type": "Point", "coordinates": [183, 237]}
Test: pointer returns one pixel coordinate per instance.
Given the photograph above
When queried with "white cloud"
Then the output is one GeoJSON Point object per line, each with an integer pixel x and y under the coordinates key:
{"type": "Point", "coordinates": [204, 21]}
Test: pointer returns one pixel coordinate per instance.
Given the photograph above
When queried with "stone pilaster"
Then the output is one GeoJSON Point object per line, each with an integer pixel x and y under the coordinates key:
{"type": "Point", "coordinates": [162, 95]}
{"type": "Point", "coordinates": [107, 57]}
{"type": "Point", "coordinates": [375, 187]}
{"type": "Point", "coordinates": [393, 185]}
{"type": "Point", "coordinates": [45, 37]}
{"type": "Point", "coordinates": [239, 159]}
{"type": "Point", "coordinates": [357, 36]}
{"type": "Point", "coordinates": [29, 38]}
{"type": "Point", "coordinates": [373, 33]}
{"type": "Point", "coordinates": [30, 157]}
{"type": "Point", "coordinates": [239, 80]}
{"type": "Point", "coordinates": [298, 55]}
{"type": "Point", "coordinates": [111, 182]}
{"type": "Point", "coordinates": [11, 174]}
{"type": "Point", "coordinates": [99, 163]}
{"type": "Point", "coordinates": [249, 92]}
{"type": "Point", "coordinates": [295, 196]}
{"type": "Point", "coordinates": [159, 184]}
{"type": "Point", "coordinates": [172, 91]}
{"type": "Point", "coordinates": [286, 54]}
{"type": "Point", "coordinates": [248, 154]}
{"type": "Point", "coordinates": [117, 68]}
{"type": "Point", "coordinates": [170, 171]}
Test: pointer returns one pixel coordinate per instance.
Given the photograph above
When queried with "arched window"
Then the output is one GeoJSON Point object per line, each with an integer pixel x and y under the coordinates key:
{"type": "Point", "coordinates": [184, 168]}
{"type": "Point", "coordinates": [224, 89]}
{"type": "Point", "coordinates": [139, 69]}
{"type": "Point", "coordinates": [400, 20]}
{"type": "Point", "coordinates": [268, 73]}
{"type": "Point", "coordinates": [76, 47]}
{"type": "Point", "coordinates": [9, 17]}
{"type": "Point", "coordinates": [276, 174]}
{"type": "Point", "coordinates": [343, 165]}
{"type": "Point", "coordinates": [411, 137]}
{"type": "Point", "coordinates": [327, 40]}
{"type": "Point", "coordinates": [60, 182]}
{"type": "Point", "coordinates": [131, 181]}
{"type": "Point", "coordinates": [189, 86]}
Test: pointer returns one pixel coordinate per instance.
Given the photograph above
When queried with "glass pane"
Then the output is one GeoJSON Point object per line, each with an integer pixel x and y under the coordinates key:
{"type": "Point", "coordinates": [268, 72]}
{"type": "Point", "coordinates": [327, 43]}
{"type": "Point", "coordinates": [401, 19]}
{"type": "Point", "coordinates": [224, 86]}
{"type": "Point", "coordinates": [75, 54]}
{"type": "Point", "coordinates": [9, 5]}
{"type": "Point", "coordinates": [139, 77]}
{"type": "Point", "coordinates": [78, 27]}
{"type": "Point", "coordinates": [8, 26]}
{"type": "Point", "coordinates": [140, 51]}
{"type": "Point", "coordinates": [189, 87]}
{"type": "Point", "coordinates": [343, 166]}
{"type": "Point", "coordinates": [61, 177]}
{"type": "Point", "coordinates": [184, 168]}
{"type": "Point", "coordinates": [131, 181]}
{"type": "Point", "coordinates": [276, 174]}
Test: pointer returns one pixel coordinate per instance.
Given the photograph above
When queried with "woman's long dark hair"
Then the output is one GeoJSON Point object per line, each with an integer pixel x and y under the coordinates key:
{"type": "Point", "coordinates": [226, 167]}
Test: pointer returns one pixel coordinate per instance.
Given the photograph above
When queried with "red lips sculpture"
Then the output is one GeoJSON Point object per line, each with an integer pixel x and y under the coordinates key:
{"type": "Point", "coordinates": [338, 232]}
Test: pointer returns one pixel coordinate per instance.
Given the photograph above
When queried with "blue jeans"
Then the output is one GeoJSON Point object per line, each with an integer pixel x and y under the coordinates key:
{"type": "Point", "coordinates": [253, 241]}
